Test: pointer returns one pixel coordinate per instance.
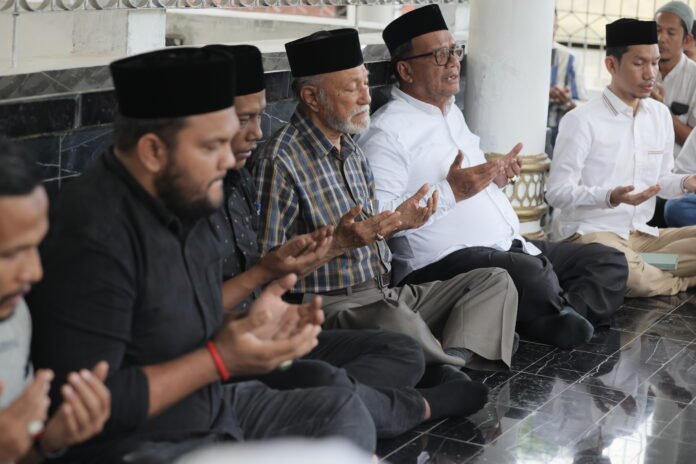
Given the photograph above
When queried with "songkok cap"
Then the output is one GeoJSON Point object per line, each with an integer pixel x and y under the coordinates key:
{"type": "Point", "coordinates": [249, 67]}
{"type": "Point", "coordinates": [412, 24]}
{"type": "Point", "coordinates": [324, 52]}
{"type": "Point", "coordinates": [624, 32]}
{"type": "Point", "coordinates": [681, 9]}
{"type": "Point", "coordinates": [173, 83]}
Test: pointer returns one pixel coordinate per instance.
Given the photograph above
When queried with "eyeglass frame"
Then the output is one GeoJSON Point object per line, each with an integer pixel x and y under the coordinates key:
{"type": "Point", "coordinates": [433, 53]}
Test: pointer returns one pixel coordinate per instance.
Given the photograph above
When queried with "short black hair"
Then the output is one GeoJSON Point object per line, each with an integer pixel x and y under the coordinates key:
{"type": "Point", "coordinates": [127, 131]}
{"type": "Point", "coordinates": [617, 52]}
{"type": "Point", "coordinates": [19, 172]}
{"type": "Point", "coordinates": [693, 28]}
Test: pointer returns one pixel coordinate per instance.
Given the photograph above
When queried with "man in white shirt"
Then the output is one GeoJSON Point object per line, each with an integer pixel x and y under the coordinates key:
{"type": "Point", "coordinates": [680, 212]}
{"type": "Point", "coordinates": [421, 137]}
{"type": "Point", "coordinates": [676, 81]}
{"type": "Point", "coordinates": [612, 156]}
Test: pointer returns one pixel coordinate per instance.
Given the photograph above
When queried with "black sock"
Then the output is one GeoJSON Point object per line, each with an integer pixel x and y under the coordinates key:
{"type": "Point", "coordinates": [436, 375]}
{"type": "Point", "coordinates": [455, 398]}
{"type": "Point", "coordinates": [566, 329]}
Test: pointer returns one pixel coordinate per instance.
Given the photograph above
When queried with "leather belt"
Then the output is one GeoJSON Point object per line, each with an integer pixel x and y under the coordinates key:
{"type": "Point", "coordinates": [380, 281]}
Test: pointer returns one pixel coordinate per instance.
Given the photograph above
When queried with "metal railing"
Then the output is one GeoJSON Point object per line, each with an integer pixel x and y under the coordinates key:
{"type": "Point", "coordinates": [30, 6]}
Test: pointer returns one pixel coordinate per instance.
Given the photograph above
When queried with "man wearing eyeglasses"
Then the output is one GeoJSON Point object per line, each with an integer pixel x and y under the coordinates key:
{"type": "Point", "coordinates": [421, 137]}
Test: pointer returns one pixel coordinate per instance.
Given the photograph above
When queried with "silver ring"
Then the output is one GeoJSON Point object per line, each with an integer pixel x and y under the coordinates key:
{"type": "Point", "coordinates": [35, 427]}
{"type": "Point", "coordinates": [285, 365]}
{"type": "Point", "coordinates": [514, 179]}
{"type": "Point", "coordinates": [380, 237]}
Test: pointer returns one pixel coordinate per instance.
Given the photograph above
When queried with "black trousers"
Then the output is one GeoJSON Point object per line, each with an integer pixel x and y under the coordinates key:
{"type": "Point", "coordinates": [589, 277]}
{"type": "Point", "coordinates": [381, 367]}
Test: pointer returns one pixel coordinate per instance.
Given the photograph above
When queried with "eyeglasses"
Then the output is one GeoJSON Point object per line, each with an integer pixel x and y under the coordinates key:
{"type": "Point", "coordinates": [442, 55]}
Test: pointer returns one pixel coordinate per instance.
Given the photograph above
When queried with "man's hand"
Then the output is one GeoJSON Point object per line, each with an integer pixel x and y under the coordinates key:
{"type": "Point", "coordinates": [32, 405]}
{"type": "Point", "coordinates": [299, 255]}
{"type": "Point", "coordinates": [559, 95]}
{"type": "Point", "coordinates": [412, 214]}
{"type": "Point", "coordinates": [85, 409]}
{"type": "Point", "coordinates": [467, 182]}
{"type": "Point", "coordinates": [512, 166]}
{"type": "Point", "coordinates": [273, 332]}
{"type": "Point", "coordinates": [690, 184]}
{"type": "Point", "coordinates": [658, 93]}
{"type": "Point", "coordinates": [623, 195]}
{"type": "Point", "coordinates": [350, 234]}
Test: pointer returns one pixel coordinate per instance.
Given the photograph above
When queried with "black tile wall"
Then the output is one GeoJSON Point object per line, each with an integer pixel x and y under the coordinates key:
{"type": "Point", "coordinates": [64, 118]}
{"type": "Point", "coordinates": [98, 108]}
{"type": "Point", "coordinates": [37, 117]}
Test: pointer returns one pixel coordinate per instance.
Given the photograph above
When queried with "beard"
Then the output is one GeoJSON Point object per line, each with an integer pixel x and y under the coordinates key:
{"type": "Point", "coordinates": [345, 126]}
{"type": "Point", "coordinates": [187, 203]}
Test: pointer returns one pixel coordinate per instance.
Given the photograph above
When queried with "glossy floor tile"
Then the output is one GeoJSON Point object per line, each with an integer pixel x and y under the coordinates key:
{"type": "Point", "coordinates": [626, 397]}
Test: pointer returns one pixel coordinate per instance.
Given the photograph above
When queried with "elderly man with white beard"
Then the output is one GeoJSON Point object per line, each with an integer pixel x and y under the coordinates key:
{"type": "Point", "coordinates": [311, 174]}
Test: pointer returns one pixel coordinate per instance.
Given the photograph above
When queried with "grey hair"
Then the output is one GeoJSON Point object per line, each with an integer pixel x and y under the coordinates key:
{"type": "Point", "coordinates": [399, 53]}
{"type": "Point", "coordinates": [300, 82]}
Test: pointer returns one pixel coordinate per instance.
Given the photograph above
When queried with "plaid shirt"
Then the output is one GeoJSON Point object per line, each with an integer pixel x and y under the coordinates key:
{"type": "Point", "coordinates": [305, 183]}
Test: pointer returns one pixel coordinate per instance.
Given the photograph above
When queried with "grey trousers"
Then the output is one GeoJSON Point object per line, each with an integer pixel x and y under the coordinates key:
{"type": "Point", "coordinates": [264, 413]}
{"type": "Point", "coordinates": [476, 310]}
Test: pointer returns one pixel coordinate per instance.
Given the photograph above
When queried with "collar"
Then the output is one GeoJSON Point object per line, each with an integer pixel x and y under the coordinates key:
{"type": "Point", "coordinates": [166, 217]}
{"type": "Point", "coordinates": [319, 143]}
{"type": "Point", "coordinates": [398, 94]}
{"type": "Point", "coordinates": [617, 106]}
{"type": "Point", "coordinates": [678, 69]}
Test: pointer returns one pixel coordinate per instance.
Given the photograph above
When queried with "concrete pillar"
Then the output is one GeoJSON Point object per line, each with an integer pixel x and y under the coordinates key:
{"type": "Point", "coordinates": [508, 69]}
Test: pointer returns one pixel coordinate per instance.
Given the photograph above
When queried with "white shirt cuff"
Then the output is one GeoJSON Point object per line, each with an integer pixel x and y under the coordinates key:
{"type": "Point", "coordinates": [447, 200]}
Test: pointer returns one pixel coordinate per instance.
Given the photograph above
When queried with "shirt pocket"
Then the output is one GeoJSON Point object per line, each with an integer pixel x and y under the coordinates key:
{"type": "Point", "coordinates": [650, 164]}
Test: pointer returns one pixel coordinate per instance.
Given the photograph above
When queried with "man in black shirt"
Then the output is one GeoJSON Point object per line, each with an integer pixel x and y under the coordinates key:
{"type": "Point", "coordinates": [382, 366]}
{"type": "Point", "coordinates": [133, 277]}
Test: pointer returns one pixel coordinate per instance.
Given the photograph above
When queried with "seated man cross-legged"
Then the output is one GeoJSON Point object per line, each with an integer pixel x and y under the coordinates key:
{"type": "Point", "coordinates": [419, 137]}
{"type": "Point", "coordinates": [612, 156]}
{"type": "Point", "coordinates": [311, 174]}
{"type": "Point", "coordinates": [382, 366]}
{"type": "Point", "coordinates": [133, 275]}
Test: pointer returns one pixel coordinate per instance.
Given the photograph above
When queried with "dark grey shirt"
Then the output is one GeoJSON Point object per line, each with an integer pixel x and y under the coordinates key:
{"type": "Point", "coordinates": [237, 223]}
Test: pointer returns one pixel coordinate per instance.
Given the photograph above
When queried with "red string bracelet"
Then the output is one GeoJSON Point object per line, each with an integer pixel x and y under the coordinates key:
{"type": "Point", "coordinates": [217, 359]}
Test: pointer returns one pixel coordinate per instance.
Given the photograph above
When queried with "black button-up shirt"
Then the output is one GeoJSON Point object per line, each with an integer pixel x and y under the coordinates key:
{"type": "Point", "coordinates": [127, 282]}
{"type": "Point", "coordinates": [237, 224]}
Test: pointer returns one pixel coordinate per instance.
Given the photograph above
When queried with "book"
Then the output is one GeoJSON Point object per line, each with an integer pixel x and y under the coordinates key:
{"type": "Point", "coordinates": [664, 261]}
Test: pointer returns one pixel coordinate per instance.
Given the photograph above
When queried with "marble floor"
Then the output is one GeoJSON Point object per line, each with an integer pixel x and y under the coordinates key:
{"type": "Point", "coordinates": [626, 397]}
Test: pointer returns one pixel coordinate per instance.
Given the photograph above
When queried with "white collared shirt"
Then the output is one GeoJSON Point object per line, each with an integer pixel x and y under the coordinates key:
{"type": "Point", "coordinates": [410, 143]}
{"type": "Point", "coordinates": [601, 146]}
{"type": "Point", "coordinates": [686, 161]}
{"type": "Point", "coordinates": [680, 86]}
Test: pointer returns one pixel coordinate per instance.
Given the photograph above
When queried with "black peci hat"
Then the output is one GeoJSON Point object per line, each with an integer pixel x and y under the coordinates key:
{"type": "Point", "coordinates": [324, 52]}
{"type": "Point", "coordinates": [249, 67]}
{"type": "Point", "coordinates": [173, 83]}
{"type": "Point", "coordinates": [412, 24]}
{"type": "Point", "coordinates": [624, 32]}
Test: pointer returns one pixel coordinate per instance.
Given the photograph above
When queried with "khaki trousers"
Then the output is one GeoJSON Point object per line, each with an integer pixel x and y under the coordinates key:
{"type": "Point", "coordinates": [645, 279]}
{"type": "Point", "coordinates": [476, 310]}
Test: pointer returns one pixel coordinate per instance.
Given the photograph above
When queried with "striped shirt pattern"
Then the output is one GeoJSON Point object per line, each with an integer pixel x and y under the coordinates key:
{"type": "Point", "coordinates": [305, 183]}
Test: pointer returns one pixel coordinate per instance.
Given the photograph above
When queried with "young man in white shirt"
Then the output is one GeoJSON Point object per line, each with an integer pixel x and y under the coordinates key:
{"type": "Point", "coordinates": [612, 156]}
{"type": "Point", "coordinates": [680, 212]}
{"type": "Point", "coordinates": [420, 137]}
{"type": "Point", "coordinates": [676, 81]}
